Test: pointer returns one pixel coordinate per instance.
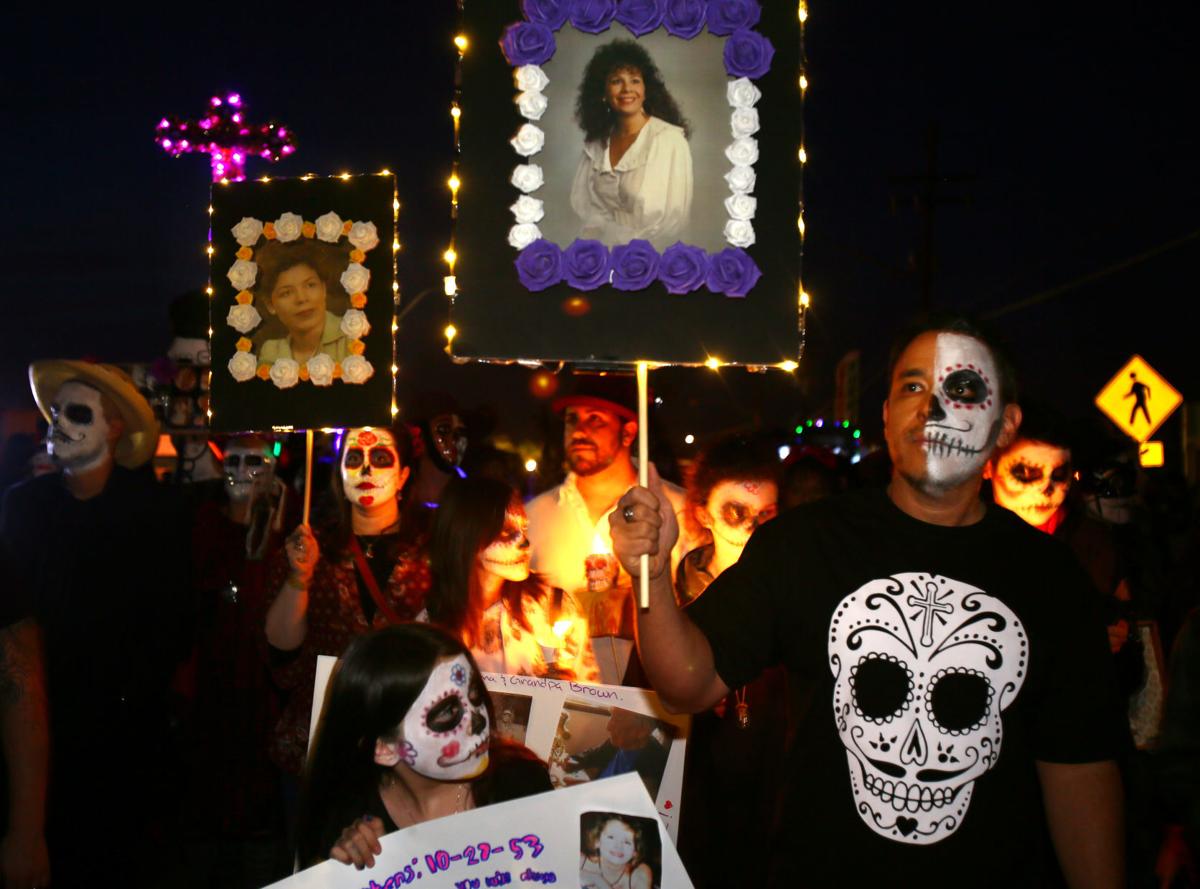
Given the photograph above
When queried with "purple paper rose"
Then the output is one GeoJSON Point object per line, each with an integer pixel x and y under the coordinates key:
{"type": "Point", "coordinates": [635, 265]}
{"type": "Point", "coordinates": [748, 54]}
{"type": "Point", "coordinates": [551, 13]}
{"type": "Point", "coordinates": [684, 18]}
{"type": "Point", "coordinates": [683, 267]}
{"type": "Point", "coordinates": [527, 43]}
{"type": "Point", "coordinates": [727, 16]}
{"type": "Point", "coordinates": [732, 272]}
{"type": "Point", "coordinates": [540, 265]}
{"type": "Point", "coordinates": [640, 16]}
{"type": "Point", "coordinates": [592, 16]}
{"type": "Point", "coordinates": [586, 264]}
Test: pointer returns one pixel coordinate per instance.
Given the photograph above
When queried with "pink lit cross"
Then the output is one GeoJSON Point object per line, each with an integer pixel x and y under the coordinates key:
{"type": "Point", "coordinates": [224, 135]}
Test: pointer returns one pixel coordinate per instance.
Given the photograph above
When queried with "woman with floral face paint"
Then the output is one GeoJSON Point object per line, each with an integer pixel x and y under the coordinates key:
{"type": "Point", "coordinates": [364, 569]}
{"type": "Point", "coordinates": [405, 737]}
{"type": "Point", "coordinates": [484, 593]}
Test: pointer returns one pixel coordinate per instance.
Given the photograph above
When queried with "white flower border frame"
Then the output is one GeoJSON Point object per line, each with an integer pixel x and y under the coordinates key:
{"type": "Point", "coordinates": [320, 370]}
{"type": "Point", "coordinates": [530, 82]}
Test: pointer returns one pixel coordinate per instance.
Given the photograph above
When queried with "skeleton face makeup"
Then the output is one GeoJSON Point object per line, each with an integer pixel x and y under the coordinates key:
{"type": "Point", "coordinates": [371, 470]}
{"type": "Point", "coordinates": [445, 733]}
{"type": "Point", "coordinates": [923, 668]}
{"type": "Point", "coordinates": [1032, 480]}
{"type": "Point", "coordinates": [79, 433]}
{"type": "Point", "coordinates": [508, 555]}
{"type": "Point", "coordinates": [449, 436]}
{"type": "Point", "coordinates": [249, 470]}
{"type": "Point", "coordinates": [736, 508]}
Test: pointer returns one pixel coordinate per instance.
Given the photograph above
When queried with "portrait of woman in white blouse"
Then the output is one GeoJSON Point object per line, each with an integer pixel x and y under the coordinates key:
{"type": "Point", "coordinates": [634, 178]}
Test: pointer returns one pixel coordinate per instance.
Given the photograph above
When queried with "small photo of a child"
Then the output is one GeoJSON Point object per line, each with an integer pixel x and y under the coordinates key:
{"type": "Point", "coordinates": [619, 851]}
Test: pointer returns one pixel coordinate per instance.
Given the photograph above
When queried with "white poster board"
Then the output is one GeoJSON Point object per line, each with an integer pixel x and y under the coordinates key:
{"type": "Point", "coordinates": [572, 726]}
{"type": "Point", "coordinates": [539, 840]}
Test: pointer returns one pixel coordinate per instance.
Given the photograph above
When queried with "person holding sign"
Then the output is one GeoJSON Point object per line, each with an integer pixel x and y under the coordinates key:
{"type": "Point", "coordinates": [294, 283]}
{"type": "Point", "coordinates": [365, 569]}
{"type": "Point", "coordinates": [946, 664]}
{"type": "Point", "coordinates": [634, 179]}
{"type": "Point", "coordinates": [405, 738]}
{"type": "Point", "coordinates": [484, 593]}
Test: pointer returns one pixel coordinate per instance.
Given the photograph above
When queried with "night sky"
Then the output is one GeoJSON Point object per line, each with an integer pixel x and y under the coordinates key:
{"type": "Point", "coordinates": [1065, 139]}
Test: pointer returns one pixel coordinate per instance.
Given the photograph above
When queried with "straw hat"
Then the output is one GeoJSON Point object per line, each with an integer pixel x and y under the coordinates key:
{"type": "Point", "coordinates": [140, 438]}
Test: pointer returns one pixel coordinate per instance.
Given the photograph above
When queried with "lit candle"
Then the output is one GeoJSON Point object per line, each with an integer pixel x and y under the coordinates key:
{"type": "Point", "coordinates": [601, 566]}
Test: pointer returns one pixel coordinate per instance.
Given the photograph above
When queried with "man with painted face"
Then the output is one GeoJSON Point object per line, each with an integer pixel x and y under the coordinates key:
{"type": "Point", "coordinates": [364, 568]}
{"type": "Point", "coordinates": [442, 448]}
{"type": "Point", "coordinates": [105, 554]}
{"type": "Point", "coordinates": [964, 720]}
{"type": "Point", "coordinates": [570, 521]}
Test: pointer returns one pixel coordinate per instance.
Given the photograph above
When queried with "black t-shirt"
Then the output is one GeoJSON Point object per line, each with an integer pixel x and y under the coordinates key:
{"type": "Point", "coordinates": [946, 660]}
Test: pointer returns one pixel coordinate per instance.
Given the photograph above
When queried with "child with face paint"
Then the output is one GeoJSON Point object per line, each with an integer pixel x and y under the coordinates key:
{"type": "Point", "coordinates": [405, 737]}
{"type": "Point", "coordinates": [363, 570]}
{"type": "Point", "coordinates": [614, 856]}
{"type": "Point", "coordinates": [483, 591]}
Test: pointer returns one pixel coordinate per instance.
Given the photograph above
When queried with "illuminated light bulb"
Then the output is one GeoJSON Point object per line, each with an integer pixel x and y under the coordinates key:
{"type": "Point", "coordinates": [395, 410]}
{"type": "Point", "coordinates": [163, 124]}
{"type": "Point", "coordinates": [450, 256]}
{"type": "Point", "coordinates": [689, 439]}
{"type": "Point", "coordinates": [216, 101]}
{"type": "Point", "coordinates": [183, 143]}
{"type": "Point", "coordinates": [713, 363]}
{"type": "Point", "coordinates": [531, 465]}
{"type": "Point", "coordinates": [234, 99]}
{"type": "Point", "coordinates": [800, 224]}
{"type": "Point", "coordinates": [209, 290]}
{"type": "Point", "coordinates": [804, 299]}
{"type": "Point", "coordinates": [209, 250]}
{"type": "Point", "coordinates": [395, 206]}
{"type": "Point", "coordinates": [789, 366]}
{"type": "Point", "coordinates": [210, 210]}
{"type": "Point", "coordinates": [264, 179]}
{"type": "Point", "coordinates": [454, 182]}
{"type": "Point", "coordinates": [385, 172]}
{"type": "Point", "coordinates": [803, 12]}
{"type": "Point", "coordinates": [396, 245]}
{"type": "Point", "coordinates": [237, 118]}
{"type": "Point", "coordinates": [167, 143]}
{"type": "Point", "coordinates": [395, 326]}
{"type": "Point", "coordinates": [210, 331]}
{"type": "Point", "coordinates": [306, 177]}
{"type": "Point", "coordinates": [461, 42]}
{"type": "Point", "coordinates": [455, 112]}
{"type": "Point", "coordinates": [803, 155]}
{"type": "Point", "coordinates": [288, 149]}
{"type": "Point", "coordinates": [450, 285]}
{"type": "Point", "coordinates": [395, 370]}
{"type": "Point", "coordinates": [395, 287]}
{"type": "Point", "coordinates": [224, 181]}
{"type": "Point", "coordinates": [803, 82]}
{"type": "Point", "coordinates": [451, 332]}
{"type": "Point", "coordinates": [344, 176]}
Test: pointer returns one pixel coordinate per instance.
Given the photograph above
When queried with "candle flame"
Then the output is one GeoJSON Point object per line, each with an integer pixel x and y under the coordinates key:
{"type": "Point", "coordinates": [600, 545]}
{"type": "Point", "coordinates": [561, 628]}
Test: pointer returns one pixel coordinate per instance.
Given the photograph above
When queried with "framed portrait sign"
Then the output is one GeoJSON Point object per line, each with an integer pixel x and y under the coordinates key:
{"type": "Point", "coordinates": [630, 182]}
{"type": "Point", "coordinates": [303, 300]}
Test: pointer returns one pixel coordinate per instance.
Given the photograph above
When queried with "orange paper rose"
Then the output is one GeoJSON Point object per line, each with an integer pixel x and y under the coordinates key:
{"type": "Point", "coordinates": [358, 300]}
{"type": "Point", "coordinates": [264, 371]}
{"type": "Point", "coordinates": [304, 372]}
{"type": "Point", "coordinates": [308, 229]}
{"type": "Point", "coordinates": [337, 371]}
{"type": "Point", "coordinates": [269, 230]}
{"type": "Point", "coordinates": [244, 345]}
{"type": "Point", "coordinates": [357, 347]}
{"type": "Point", "coordinates": [245, 253]}
{"type": "Point", "coordinates": [245, 297]}
{"type": "Point", "coordinates": [346, 226]}
{"type": "Point", "coordinates": [355, 256]}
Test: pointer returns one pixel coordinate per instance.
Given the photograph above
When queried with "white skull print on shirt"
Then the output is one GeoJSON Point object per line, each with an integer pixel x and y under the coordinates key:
{"type": "Point", "coordinates": [923, 667]}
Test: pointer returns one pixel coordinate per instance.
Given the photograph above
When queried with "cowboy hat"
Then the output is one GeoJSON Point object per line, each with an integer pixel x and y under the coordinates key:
{"type": "Point", "coordinates": [140, 437]}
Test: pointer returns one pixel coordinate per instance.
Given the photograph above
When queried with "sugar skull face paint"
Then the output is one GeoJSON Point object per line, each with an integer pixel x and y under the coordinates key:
{"type": "Point", "coordinates": [964, 409]}
{"type": "Point", "coordinates": [1032, 479]}
{"type": "Point", "coordinates": [449, 436]}
{"type": "Point", "coordinates": [79, 431]}
{"type": "Point", "coordinates": [371, 470]}
{"type": "Point", "coordinates": [445, 733]}
{"type": "Point", "coordinates": [249, 470]}
{"type": "Point", "coordinates": [508, 555]}
{"type": "Point", "coordinates": [736, 508]}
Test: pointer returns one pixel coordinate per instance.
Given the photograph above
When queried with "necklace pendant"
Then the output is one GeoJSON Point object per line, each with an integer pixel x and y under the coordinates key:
{"type": "Point", "coordinates": [743, 714]}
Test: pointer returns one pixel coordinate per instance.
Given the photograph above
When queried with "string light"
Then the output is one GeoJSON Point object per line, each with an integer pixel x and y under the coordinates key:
{"type": "Point", "coordinates": [803, 155]}
{"type": "Point", "coordinates": [345, 177]}
{"type": "Point", "coordinates": [803, 82]}
{"type": "Point", "coordinates": [450, 285]}
{"type": "Point", "coordinates": [804, 299]}
{"type": "Point", "coordinates": [209, 290]}
{"type": "Point", "coordinates": [455, 112]}
{"type": "Point", "coordinates": [223, 133]}
{"type": "Point", "coordinates": [461, 42]}
{"type": "Point", "coordinates": [713, 363]}
{"type": "Point", "coordinates": [789, 366]}
{"type": "Point", "coordinates": [451, 332]}
{"type": "Point", "coordinates": [803, 12]}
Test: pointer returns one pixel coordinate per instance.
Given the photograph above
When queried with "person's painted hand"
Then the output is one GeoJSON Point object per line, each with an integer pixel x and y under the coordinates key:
{"type": "Point", "coordinates": [359, 843]}
{"type": "Point", "coordinates": [302, 554]}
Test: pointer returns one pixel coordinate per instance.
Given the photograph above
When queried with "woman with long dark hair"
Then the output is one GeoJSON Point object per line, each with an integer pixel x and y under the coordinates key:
{"type": "Point", "coordinates": [484, 594]}
{"type": "Point", "coordinates": [634, 179]}
{"type": "Point", "coordinates": [365, 568]}
{"type": "Point", "coordinates": [405, 737]}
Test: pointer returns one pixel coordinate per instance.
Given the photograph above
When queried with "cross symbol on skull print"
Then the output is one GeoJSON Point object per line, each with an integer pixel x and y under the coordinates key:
{"type": "Point", "coordinates": [934, 662]}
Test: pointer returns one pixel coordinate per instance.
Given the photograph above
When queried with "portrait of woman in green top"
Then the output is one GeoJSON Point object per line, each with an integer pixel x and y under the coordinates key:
{"type": "Point", "coordinates": [295, 284]}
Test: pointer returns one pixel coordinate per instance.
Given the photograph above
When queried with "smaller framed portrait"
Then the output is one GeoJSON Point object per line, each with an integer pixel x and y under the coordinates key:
{"type": "Point", "coordinates": [303, 300]}
{"type": "Point", "coordinates": [618, 849]}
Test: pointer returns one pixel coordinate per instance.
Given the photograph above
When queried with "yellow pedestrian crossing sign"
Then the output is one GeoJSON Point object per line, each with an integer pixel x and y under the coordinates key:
{"type": "Point", "coordinates": [1138, 400]}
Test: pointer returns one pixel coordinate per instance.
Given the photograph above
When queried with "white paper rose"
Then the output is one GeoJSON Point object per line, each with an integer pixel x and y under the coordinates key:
{"type": "Point", "coordinates": [287, 227]}
{"type": "Point", "coordinates": [741, 206]}
{"type": "Point", "coordinates": [530, 77]}
{"type": "Point", "coordinates": [356, 278]}
{"type": "Point", "coordinates": [527, 177]}
{"type": "Point", "coordinates": [243, 365]}
{"type": "Point", "coordinates": [739, 232]}
{"type": "Point", "coordinates": [521, 236]}
{"type": "Point", "coordinates": [243, 319]}
{"type": "Point", "coordinates": [320, 369]}
{"type": "Point", "coordinates": [364, 236]}
{"type": "Point", "coordinates": [743, 122]}
{"type": "Point", "coordinates": [742, 93]}
{"type": "Point", "coordinates": [532, 104]}
{"type": "Point", "coordinates": [743, 151]}
{"type": "Point", "coordinates": [329, 227]}
{"type": "Point", "coordinates": [242, 274]}
{"type": "Point", "coordinates": [355, 324]}
{"type": "Point", "coordinates": [285, 373]}
{"type": "Point", "coordinates": [741, 180]}
{"type": "Point", "coordinates": [528, 141]}
{"type": "Point", "coordinates": [248, 231]}
{"type": "Point", "coordinates": [356, 369]}
{"type": "Point", "coordinates": [527, 209]}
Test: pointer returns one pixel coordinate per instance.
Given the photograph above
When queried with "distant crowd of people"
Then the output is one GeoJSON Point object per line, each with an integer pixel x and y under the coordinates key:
{"type": "Point", "coordinates": [977, 664]}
